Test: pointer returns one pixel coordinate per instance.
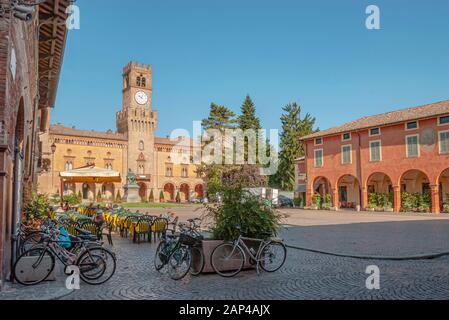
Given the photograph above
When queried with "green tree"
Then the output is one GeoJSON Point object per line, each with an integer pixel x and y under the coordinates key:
{"type": "Point", "coordinates": [178, 197]}
{"type": "Point", "coordinates": [248, 120]}
{"type": "Point", "coordinates": [118, 199]}
{"type": "Point", "coordinates": [161, 196]}
{"type": "Point", "coordinates": [151, 198]}
{"type": "Point", "coordinates": [220, 117]}
{"type": "Point", "coordinates": [293, 129]}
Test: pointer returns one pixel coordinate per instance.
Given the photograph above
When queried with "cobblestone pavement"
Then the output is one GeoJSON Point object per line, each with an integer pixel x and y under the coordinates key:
{"type": "Point", "coordinates": [395, 239]}
{"type": "Point", "coordinates": [49, 290]}
{"type": "Point", "coordinates": [305, 276]}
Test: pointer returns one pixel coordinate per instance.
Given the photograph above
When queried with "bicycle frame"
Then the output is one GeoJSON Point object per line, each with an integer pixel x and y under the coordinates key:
{"type": "Point", "coordinates": [58, 251]}
{"type": "Point", "coordinates": [240, 242]}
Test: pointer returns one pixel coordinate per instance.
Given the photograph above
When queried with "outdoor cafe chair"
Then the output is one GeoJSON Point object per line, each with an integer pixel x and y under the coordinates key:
{"type": "Point", "coordinates": [159, 227]}
{"type": "Point", "coordinates": [143, 228]}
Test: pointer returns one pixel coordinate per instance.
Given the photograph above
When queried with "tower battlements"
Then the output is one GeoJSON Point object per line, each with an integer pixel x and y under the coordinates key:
{"type": "Point", "coordinates": [142, 67]}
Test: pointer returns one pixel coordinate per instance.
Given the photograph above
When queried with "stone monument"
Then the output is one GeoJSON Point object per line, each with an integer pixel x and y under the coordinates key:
{"type": "Point", "coordinates": [131, 189]}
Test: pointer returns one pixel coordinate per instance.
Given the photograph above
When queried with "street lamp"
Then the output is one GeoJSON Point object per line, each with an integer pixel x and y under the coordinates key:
{"type": "Point", "coordinates": [53, 150]}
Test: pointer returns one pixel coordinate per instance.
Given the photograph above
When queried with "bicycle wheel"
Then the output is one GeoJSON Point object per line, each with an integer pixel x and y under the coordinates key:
{"type": "Point", "coordinates": [97, 265]}
{"type": "Point", "coordinates": [179, 263]}
{"type": "Point", "coordinates": [160, 258]}
{"type": "Point", "coordinates": [31, 241]}
{"type": "Point", "coordinates": [33, 266]}
{"type": "Point", "coordinates": [226, 260]}
{"type": "Point", "coordinates": [272, 256]}
{"type": "Point", "coordinates": [198, 261]}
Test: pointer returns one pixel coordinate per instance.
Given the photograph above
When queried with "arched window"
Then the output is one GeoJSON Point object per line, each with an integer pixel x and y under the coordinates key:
{"type": "Point", "coordinates": [138, 81]}
{"type": "Point", "coordinates": [141, 145]}
{"type": "Point", "coordinates": [144, 82]}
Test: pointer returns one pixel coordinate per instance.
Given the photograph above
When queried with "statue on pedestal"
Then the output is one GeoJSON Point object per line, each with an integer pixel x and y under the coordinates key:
{"type": "Point", "coordinates": [131, 178]}
{"type": "Point", "coordinates": [131, 188]}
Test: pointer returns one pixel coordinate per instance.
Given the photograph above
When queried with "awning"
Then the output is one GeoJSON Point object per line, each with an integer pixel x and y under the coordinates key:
{"type": "Point", "coordinates": [301, 188]}
{"type": "Point", "coordinates": [90, 174]}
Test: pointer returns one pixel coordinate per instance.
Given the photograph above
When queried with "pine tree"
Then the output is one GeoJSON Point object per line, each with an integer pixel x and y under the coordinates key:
{"type": "Point", "coordinates": [248, 120]}
{"type": "Point", "coordinates": [220, 117]}
{"type": "Point", "coordinates": [293, 128]}
{"type": "Point", "coordinates": [151, 197]}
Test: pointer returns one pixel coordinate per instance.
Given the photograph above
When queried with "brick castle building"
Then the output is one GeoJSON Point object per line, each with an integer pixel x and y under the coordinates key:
{"type": "Point", "coordinates": [133, 146]}
{"type": "Point", "coordinates": [391, 153]}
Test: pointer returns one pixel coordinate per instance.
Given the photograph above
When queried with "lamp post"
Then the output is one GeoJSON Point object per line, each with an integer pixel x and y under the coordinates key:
{"type": "Point", "coordinates": [53, 150]}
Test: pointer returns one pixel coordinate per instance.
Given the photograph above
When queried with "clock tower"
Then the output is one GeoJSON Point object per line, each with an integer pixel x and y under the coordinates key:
{"type": "Point", "coordinates": [138, 121]}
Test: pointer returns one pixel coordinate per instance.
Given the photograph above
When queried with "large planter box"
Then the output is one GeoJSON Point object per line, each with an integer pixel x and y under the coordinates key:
{"type": "Point", "coordinates": [208, 248]}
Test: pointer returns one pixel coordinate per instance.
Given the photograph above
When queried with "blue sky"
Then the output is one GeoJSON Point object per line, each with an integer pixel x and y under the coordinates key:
{"type": "Point", "coordinates": [317, 53]}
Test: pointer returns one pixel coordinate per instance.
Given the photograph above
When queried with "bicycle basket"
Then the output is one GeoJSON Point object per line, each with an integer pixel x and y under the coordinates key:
{"type": "Point", "coordinates": [187, 239]}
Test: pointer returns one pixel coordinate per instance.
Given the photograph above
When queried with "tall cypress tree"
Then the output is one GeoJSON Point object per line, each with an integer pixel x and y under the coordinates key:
{"type": "Point", "coordinates": [293, 128]}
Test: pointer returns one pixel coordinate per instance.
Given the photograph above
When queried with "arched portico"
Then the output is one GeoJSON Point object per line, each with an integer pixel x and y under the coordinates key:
{"type": "Point", "coordinates": [169, 192]}
{"type": "Point", "coordinates": [199, 191]}
{"type": "Point", "coordinates": [443, 191]}
{"type": "Point", "coordinates": [417, 192]}
{"type": "Point", "coordinates": [379, 192]}
{"type": "Point", "coordinates": [348, 192]}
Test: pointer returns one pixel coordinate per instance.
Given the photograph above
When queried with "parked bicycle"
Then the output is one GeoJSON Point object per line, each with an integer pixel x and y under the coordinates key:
{"type": "Point", "coordinates": [228, 259]}
{"type": "Point", "coordinates": [180, 253]}
{"type": "Point", "coordinates": [96, 264]}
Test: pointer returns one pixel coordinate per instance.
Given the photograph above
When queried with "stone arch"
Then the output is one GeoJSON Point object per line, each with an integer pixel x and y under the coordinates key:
{"type": "Point", "coordinates": [412, 181]}
{"type": "Point", "coordinates": [199, 191]}
{"type": "Point", "coordinates": [169, 191]}
{"type": "Point", "coordinates": [184, 190]}
{"type": "Point", "coordinates": [143, 191]}
{"type": "Point", "coordinates": [379, 183]}
{"type": "Point", "coordinates": [322, 185]}
{"type": "Point", "coordinates": [108, 190]}
{"type": "Point", "coordinates": [349, 192]}
{"type": "Point", "coordinates": [415, 181]}
{"type": "Point", "coordinates": [443, 190]}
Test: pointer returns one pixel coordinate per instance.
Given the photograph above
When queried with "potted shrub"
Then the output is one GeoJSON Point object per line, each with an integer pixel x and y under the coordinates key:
{"type": "Point", "coordinates": [118, 199]}
{"type": "Point", "coordinates": [446, 208]}
{"type": "Point", "coordinates": [36, 210]}
{"type": "Point", "coordinates": [388, 207]}
{"type": "Point", "coordinates": [71, 199]}
{"type": "Point", "coordinates": [151, 197]}
{"type": "Point", "coordinates": [316, 201]}
{"type": "Point", "coordinates": [327, 205]}
{"type": "Point", "coordinates": [238, 208]}
{"type": "Point", "coordinates": [372, 201]}
{"type": "Point", "coordinates": [161, 196]}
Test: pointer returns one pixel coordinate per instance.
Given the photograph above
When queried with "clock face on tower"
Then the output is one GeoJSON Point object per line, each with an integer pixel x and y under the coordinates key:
{"type": "Point", "coordinates": [141, 97]}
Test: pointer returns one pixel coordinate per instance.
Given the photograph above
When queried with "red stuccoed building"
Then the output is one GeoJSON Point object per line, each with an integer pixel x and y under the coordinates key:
{"type": "Point", "coordinates": [31, 53]}
{"type": "Point", "coordinates": [396, 153]}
